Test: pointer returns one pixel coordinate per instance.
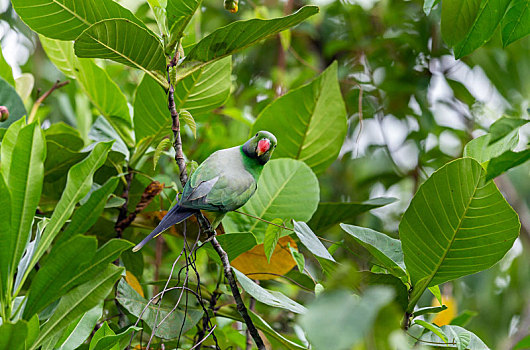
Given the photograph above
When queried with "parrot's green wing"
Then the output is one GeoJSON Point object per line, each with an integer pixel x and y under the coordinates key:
{"type": "Point", "coordinates": [221, 183]}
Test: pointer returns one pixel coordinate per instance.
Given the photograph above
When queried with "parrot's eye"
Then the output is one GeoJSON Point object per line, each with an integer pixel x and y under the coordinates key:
{"type": "Point", "coordinates": [256, 135]}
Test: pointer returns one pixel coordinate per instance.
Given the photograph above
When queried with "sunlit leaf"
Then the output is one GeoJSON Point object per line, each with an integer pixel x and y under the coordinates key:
{"type": "Point", "coordinates": [238, 35]}
{"type": "Point", "coordinates": [77, 186]}
{"type": "Point", "coordinates": [95, 82]}
{"type": "Point", "coordinates": [25, 180]}
{"type": "Point", "coordinates": [188, 119]}
{"type": "Point", "coordinates": [433, 328]}
{"type": "Point", "coordinates": [66, 19]}
{"type": "Point", "coordinates": [99, 41]}
{"type": "Point", "coordinates": [316, 111]}
{"type": "Point", "coordinates": [24, 85]}
{"type": "Point", "coordinates": [162, 146]}
{"type": "Point", "coordinates": [447, 231]}
{"type": "Point", "coordinates": [78, 332]}
{"type": "Point", "coordinates": [179, 14]}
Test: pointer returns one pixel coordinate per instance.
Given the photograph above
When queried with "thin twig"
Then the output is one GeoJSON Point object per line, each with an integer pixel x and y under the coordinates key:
{"type": "Point", "coordinates": [278, 225]}
{"type": "Point", "coordinates": [41, 99]}
{"type": "Point", "coordinates": [203, 339]}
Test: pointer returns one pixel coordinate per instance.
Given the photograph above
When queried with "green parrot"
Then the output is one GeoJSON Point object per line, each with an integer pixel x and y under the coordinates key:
{"type": "Point", "coordinates": [224, 182]}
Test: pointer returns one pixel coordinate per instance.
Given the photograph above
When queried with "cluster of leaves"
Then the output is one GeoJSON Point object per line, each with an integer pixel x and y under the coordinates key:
{"type": "Point", "coordinates": [457, 224]}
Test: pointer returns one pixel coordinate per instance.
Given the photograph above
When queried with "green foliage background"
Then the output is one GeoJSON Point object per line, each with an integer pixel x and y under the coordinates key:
{"type": "Point", "coordinates": [374, 104]}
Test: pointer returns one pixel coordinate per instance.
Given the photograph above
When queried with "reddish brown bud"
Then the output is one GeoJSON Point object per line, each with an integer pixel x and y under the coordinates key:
{"type": "Point", "coordinates": [4, 113]}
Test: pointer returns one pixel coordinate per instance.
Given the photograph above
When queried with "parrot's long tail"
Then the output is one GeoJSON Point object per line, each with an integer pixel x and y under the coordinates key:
{"type": "Point", "coordinates": [174, 216]}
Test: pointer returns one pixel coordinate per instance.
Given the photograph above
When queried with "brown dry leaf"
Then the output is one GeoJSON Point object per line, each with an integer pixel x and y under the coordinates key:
{"type": "Point", "coordinates": [254, 262]}
{"type": "Point", "coordinates": [133, 282]}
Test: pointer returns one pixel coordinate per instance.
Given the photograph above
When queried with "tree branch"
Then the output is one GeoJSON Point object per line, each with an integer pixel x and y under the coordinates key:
{"type": "Point", "coordinates": [204, 224]}
{"type": "Point", "coordinates": [41, 99]}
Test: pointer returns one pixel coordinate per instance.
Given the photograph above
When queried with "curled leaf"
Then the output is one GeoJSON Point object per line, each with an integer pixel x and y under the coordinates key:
{"type": "Point", "coordinates": [188, 119]}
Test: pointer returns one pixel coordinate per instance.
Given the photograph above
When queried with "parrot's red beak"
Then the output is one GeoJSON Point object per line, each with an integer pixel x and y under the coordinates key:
{"type": "Point", "coordinates": [263, 146]}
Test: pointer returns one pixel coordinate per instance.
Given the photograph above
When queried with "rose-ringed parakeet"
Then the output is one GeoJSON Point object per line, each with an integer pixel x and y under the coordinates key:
{"type": "Point", "coordinates": [225, 181]}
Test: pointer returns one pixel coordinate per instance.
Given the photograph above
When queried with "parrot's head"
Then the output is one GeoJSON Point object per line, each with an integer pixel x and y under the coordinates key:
{"type": "Point", "coordinates": [260, 146]}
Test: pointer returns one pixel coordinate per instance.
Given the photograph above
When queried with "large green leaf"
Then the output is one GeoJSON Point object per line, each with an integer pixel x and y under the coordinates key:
{"type": "Point", "coordinates": [506, 161]}
{"type": "Point", "coordinates": [13, 335]}
{"type": "Point", "coordinates": [60, 159]}
{"type": "Point", "coordinates": [329, 214]}
{"type": "Point", "coordinates": [87, 214]}
{"type": "Point", "coordinates": [151, 116]}
{"type": "Point", "coordinates": [66, 19]}
{"type": "Point", "coordinates": [234, 244]}
{"type": "Point", "coordinates": [77, 332]}
{"type": "Point", "coordinates": [95, 82]}
{"type": "Point", "coordinates": [385, 249]}
{"type": "Point", "coordinates": [106, 254]}
{"type": "Point", "coordinates": [338, 320]}
{"type": "Point", "coordinates": [311, 241]}
{"type": "Point", "coordinates": [456, 335]}
{"type": "Point", "coordinates": [206, 88]}
{"type": "Point", "coordinates": [238, 35]}
{"type": "Point", "coordinates": [179, 14]}
{"type": "Point", "coordinates": [202, 91]}
{"type": "Point", "coordinates": [309, 122]}
{"type": "Point", "coordinates": [117, 40]}
{"type": "Point", "coordinates": [10, 99]}
{"type": "Point", "coordinates": [487, 20]}
{"type": "Point", "coordinates": [78, 184]}
{"type": "Point", "coordinates": [170, 328]}
{"type": "Point", "coordinates": [78, 301]}
{"type": "Point", "coordinates": [8, 145]}
{"type": "Point", "coordinates": [287, 189]}
{"type": "Point", "coordinates": [106, 339]}
{"type": "Point", "coordinates": [505, 126]}
{"type": "Point", "coordinates": [457, 18]}
{"type": "Point", "coordinates": [456, 224]}
{"type": "Point", "coordinates": [269, 297]}
{"type": "Point", "coordinates": [482, 150]}
{"type": "Point", "coordinates": [25, 184]}
{"type": "Point", "coordinates": [515, 23]}
{"type": "Point", "coordinates": [61, 265]}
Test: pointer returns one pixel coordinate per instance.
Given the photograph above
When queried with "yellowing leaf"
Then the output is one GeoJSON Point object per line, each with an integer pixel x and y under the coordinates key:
{"type": "Point", "coordinates": [254, 262]}
{"type": "Point", "coordinates": [445, 317]}
{"type": "Point", "coordinates": [133, 282]}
